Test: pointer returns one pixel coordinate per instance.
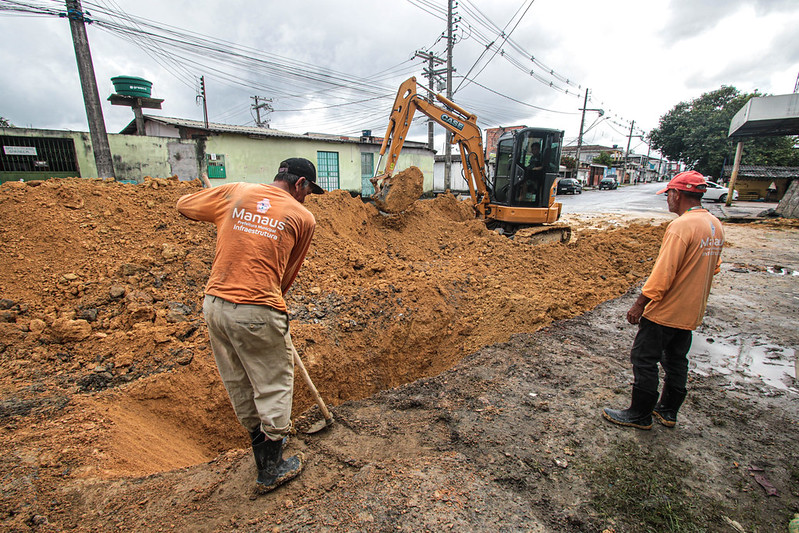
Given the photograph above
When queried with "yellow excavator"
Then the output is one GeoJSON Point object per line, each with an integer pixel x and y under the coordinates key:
{"type": "Point", "coordinates": [518, 193]}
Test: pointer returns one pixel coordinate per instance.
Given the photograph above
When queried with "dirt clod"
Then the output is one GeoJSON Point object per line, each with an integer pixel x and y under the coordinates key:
{"type": "Point", "coordinates": [400, 191]}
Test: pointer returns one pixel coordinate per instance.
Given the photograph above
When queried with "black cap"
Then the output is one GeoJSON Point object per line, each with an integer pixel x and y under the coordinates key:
{"type": "Point", "coordinates": [301, 168]}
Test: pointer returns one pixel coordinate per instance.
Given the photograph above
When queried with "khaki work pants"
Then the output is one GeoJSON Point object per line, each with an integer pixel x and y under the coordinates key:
{"type": "Point", "coordinates": [255, 357]}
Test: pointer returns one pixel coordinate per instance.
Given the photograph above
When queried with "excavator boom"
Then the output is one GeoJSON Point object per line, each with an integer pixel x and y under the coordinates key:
{"type": "Point", "coordinates": [521, 191]}
{"type": "Point", "coordinates": [465, 133]}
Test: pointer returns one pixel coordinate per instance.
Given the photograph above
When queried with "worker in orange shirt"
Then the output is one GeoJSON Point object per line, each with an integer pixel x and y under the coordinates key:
{"type": "Point", "coordinates": [263, 234]}
{"type": "Point", "coordinates": [671, 305]}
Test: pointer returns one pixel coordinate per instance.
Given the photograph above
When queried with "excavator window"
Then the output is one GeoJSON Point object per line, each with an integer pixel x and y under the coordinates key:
{"type": "Point", "coordinates": [502, 175]}
{"type": "Point", "coordinates": [526, 166]}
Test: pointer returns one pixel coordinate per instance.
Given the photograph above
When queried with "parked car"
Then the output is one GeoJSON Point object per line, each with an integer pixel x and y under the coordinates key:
{"type": "Point", "coordinates": [608, 183]}
{"type": "Point", "coordinates": [718, 193]}
{"type": "Point", "coordinates": [569, 185]}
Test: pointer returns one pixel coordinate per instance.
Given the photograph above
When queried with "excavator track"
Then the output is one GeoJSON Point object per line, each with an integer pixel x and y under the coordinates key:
{"type": "Point", "coordinates": [537, 235]}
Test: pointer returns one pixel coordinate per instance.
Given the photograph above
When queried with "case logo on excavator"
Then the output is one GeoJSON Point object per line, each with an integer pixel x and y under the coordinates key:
{"type": "Point", "coordinates": [451, 121]}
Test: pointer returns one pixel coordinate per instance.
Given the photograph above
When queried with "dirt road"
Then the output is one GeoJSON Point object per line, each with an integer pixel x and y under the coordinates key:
{"type": "Point", "coordinates": [467, 373]}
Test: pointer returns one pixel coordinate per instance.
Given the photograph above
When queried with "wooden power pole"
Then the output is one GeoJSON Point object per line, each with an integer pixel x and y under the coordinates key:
{"type": "Point", "coordinates": [448, 135]}
{"type": "Point", "coordinates": [627, 153]}
{"type": "Point", "coordinates": [432, 75]}
{"type": "Point", "coordinates": [91, 97]}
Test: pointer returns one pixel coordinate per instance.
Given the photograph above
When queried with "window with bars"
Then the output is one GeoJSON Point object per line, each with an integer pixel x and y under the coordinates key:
{"type": "Point", "coordinates": [37, 154]}
{"type": "Point", "coordinates": [327, 171]}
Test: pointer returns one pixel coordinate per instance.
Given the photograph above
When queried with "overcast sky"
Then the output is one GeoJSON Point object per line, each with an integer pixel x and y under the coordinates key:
{"type": "Point", "coordinates": [639, 59]}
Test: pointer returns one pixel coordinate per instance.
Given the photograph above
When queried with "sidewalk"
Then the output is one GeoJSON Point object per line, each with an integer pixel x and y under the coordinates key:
{"type": "Point", "coordinates": [739, 209]}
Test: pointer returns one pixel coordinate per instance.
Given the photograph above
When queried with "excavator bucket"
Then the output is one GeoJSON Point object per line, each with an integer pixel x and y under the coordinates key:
{"type": "Point", "coordinates": [395, 194]}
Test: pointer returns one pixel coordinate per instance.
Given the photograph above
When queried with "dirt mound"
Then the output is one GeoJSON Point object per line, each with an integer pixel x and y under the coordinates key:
{"type": "Point", "coordinates": [400, 191]}
{"type": "Point", "coordinates": [103, 346]}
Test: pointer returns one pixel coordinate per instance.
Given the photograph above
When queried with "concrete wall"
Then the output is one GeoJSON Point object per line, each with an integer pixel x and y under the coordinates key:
{"type": "Point", "coordinates": [758, 189]}
{"type": "Point", "coordinates": [457, 182]}
{"type": "Point", "coordinates": [421, 158]}
{"type": "Point", "coordinates": [251, 159]}
{"type": "Point", "coordinates": [133, 156]}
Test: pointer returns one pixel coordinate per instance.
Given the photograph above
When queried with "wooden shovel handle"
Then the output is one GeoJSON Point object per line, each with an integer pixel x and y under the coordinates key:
{"type": "Point", "coordinates": [319, 401]}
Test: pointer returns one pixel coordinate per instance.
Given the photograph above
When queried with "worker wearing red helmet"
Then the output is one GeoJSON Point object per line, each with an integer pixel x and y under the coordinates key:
{"type": "Point", "coordinates": [671, 305]}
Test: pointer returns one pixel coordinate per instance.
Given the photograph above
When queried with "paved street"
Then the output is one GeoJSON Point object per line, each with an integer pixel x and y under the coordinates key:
{"type": "Point", "coordinates": [641, 200]}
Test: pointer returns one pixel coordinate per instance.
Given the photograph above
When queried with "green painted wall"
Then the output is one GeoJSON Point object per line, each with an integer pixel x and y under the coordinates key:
{"type": "Point", "coordinates": [257, 160]}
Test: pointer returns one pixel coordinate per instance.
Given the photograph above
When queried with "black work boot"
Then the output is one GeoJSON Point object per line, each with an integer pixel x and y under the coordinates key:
{"type": "Point", "coordinates": [666, 409]}
{"type": "Point", "coordinates": [639, 414]}
{"type": "Point", "coordinates": [273, 470]}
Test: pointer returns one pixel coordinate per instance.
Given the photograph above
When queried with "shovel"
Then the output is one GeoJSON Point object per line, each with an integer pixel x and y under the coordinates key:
{"type": "Point", "coordinates": [328, 418]}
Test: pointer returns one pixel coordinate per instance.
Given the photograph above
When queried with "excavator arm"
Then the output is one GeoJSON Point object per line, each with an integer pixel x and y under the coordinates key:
{"type": "Point", "coordinates": [460, 123]}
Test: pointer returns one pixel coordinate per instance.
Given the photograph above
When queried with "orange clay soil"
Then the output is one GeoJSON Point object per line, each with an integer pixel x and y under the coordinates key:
{"type": "Point", "coordinates": [405, 188]}
{"type": "Point", "coordinates": [104, 350]}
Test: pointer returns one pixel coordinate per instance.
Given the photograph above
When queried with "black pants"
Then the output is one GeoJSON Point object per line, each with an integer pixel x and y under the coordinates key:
{"type": "Point", "coordinates": [660, 344]}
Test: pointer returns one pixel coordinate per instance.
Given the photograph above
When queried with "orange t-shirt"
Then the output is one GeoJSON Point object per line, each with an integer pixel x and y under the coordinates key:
{"type": "Point", "coordinates": [263, 234]}
{"type": "Point", "coordinates": [683, 273]}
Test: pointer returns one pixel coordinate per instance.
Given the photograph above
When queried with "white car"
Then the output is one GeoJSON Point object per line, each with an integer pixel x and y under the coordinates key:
{"type": "Point", "coordinates": [718, 193]}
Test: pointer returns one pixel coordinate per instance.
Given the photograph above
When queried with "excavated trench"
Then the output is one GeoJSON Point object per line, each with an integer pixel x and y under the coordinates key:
{"type": "Point", "coordinates": [102, 336]}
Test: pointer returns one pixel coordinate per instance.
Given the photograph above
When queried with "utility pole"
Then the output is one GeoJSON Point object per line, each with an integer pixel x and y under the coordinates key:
{"type": "Point", "coordinates": [265, 106]}
{"type": "Point", "coordinates": [580, 138]}
{"type": "Point", "coordinates": [205, 103]}
{"type": "Point", "coordinates": [735, 166]}
{"type": "Point", "coordinates": [432, 74]}
{"type": "Point", "coordinates": [91, 97]}
{"type": "Point", "coordinates": [627, 152]}
{"type": "Point", "coordinates": [447, 144]}
{"type": "Point", "coordinates": [645, 165]}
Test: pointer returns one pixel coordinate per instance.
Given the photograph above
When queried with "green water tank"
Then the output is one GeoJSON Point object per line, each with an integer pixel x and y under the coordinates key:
{"type": "Point", "coordinates": [132, 86]}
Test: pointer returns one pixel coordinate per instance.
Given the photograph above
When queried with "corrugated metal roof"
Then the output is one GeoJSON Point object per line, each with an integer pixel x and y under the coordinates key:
{"type": "Point", "coordinates": [241, 130]}
{"type": "Point", "coordinates": [758, 172]}
{"type": "Point", "coordinates": [255, 131]}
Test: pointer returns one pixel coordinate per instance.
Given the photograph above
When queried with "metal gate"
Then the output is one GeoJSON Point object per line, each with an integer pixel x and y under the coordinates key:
{"type": "Point", "coordinates": [27, 158]}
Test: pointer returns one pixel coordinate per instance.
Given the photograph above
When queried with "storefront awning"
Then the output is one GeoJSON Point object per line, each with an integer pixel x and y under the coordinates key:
{"type": "Point", "coordinates": [767, 116]}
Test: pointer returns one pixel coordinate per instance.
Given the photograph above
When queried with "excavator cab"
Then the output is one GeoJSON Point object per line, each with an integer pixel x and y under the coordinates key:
{"type": "Point", "coordinates": [526, 167]}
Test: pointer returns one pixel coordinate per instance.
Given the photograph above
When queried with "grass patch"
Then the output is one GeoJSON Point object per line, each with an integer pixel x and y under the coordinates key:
{"type": "Point", "coordinates": [644, 490]}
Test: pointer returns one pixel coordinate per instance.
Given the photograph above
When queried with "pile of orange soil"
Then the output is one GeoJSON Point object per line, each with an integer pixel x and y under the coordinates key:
{"type": "Point", "coordinates": [102, 339]}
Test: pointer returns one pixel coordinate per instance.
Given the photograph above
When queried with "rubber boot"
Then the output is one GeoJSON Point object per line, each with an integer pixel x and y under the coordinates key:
{"type": "Point", "coordinates": [639, 414]}
{"type": "Point", "coordinates": [273, 470]}
{"type": "Point", "coordinates": [666, 409]}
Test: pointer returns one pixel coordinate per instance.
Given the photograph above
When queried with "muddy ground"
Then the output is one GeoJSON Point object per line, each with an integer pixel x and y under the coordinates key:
{"type": "Point", "coordinates": [466, 372]}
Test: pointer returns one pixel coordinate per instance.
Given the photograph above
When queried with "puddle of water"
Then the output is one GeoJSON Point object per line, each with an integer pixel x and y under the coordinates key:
{"type": "Point", "coordinates": [747, 358]}
{"type": "Point", "coordinates": [782, 271]}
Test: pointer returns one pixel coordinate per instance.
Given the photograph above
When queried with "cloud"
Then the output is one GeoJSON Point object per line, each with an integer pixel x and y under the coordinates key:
{"type": "Point", "coordinates": [691, 18]}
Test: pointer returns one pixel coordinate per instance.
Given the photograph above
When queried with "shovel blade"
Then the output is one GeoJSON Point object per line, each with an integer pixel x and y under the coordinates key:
{"type": "Point", "coordinates": [309, 428]}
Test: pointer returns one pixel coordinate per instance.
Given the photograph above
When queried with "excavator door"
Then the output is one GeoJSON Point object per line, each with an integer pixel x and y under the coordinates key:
{"type": "Point", "coordinates": [526, 167]}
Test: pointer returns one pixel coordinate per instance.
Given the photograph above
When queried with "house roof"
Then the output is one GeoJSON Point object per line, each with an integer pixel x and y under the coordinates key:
{"type": "Point", "coordinates": [764, 173]}
{"type": "Point", "coordinates": [254, 131]}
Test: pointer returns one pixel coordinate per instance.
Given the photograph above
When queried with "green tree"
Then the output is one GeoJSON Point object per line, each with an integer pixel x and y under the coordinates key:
{"type": "Point", "coordinates": [603, 159]}
{"type": "Point", "coordinates": [4, 123]}
{"type": "Point", "coordinates": [695, 133]}
{"type": "Point", "coordinates": [568, 161]}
